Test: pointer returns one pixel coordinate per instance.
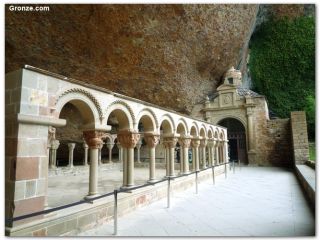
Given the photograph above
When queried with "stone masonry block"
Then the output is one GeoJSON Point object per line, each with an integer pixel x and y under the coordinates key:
{"type": "Point", "coordinates": [30, 205]}
{"type": "Point", "coordinates": [19, 190]}
{"type": "Point", "coordinates": [28, 131]}
{"type": "Point", "coordinates": [29, 109]}
{"type": "Point", "coordinates": [57, 229]}
{"type": "Point", "coordinates": [87, 219]}
{"type": "Point", "coordinates": [40, 233]}
{"type": "Point", "coordinates": [32, 147]}
{"type": "Point", "coordinates": [41, 187]}
{"type": "Point", "coordinates": [31, 187]}
{"type": "Point", "coordinates": [43, 167]}
{"type": "Point", "coordinates": [26, 168]}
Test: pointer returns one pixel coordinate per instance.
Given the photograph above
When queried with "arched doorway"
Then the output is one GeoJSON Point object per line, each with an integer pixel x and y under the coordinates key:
{"type": "Point", "coordinates": [237, 139]}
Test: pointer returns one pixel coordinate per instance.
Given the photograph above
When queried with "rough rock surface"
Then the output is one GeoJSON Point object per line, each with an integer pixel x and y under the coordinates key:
{"type": "Point", "coordinates": [170, 55]}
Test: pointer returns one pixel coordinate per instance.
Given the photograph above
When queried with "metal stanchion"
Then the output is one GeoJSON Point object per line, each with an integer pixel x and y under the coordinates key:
{"type": "Point", "coordinates": [233, 167]}
{"type": "Point", "coordinates": [168, 194]}
{"type": "Point", "coordinates": [225, 170]}
{"type": "Point", "coordinates": [196, 182]}
{"type": "Point", "coordinates": [115, 213]}
{"type": "Point", "coordinates": [239, 164]}
{"type": "Point", "coordinates": [213, 178]}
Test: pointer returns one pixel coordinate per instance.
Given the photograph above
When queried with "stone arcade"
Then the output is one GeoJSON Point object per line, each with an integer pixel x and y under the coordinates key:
{"type": "Point", "coordinates": [35, 100]}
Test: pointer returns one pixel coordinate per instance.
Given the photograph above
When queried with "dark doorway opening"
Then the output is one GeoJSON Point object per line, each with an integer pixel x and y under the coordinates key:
{"type": "Point", "coordinates": [237, 139]}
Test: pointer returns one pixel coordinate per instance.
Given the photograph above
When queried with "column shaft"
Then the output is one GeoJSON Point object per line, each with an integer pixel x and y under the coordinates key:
{"type": "Point", "coordinates": [130, 167]}
{"type": "Point", "coordinates": [152, 164]}
{"type": "Point", "coordinates": [185, 160]}
{"type": "Point", "coordinates": [93, 177]}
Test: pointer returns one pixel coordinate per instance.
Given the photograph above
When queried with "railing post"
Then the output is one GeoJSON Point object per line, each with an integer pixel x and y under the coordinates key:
{"type": "Point", "coordinates": [239, 164]}
{"type": "Point", "coordinates": [168, 194]}
{"type": "Point", "coordinates": [196, 182]}
{"type": "Point", "coordinates": [225, 170]}
{"type": "Point", "coordinates": [233, 167]}
{"type": "Point", "coordinates": [213, 178]}
{"type": "Point", "coordinates": [115, 213]}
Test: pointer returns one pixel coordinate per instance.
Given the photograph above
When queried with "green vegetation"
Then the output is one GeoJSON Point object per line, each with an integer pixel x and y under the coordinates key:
{"type": "Point", "coordinates": [282, 65]}
{"type": "Point", "coordinates": [312, 151]}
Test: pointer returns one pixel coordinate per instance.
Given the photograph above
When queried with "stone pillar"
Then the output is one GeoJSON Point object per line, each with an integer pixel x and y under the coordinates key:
{"type": "Point", "coordinates": [128, 140]}
{"type": "Point", "coordinates": [99, 154]}
{"type": "Point", "coordinates": [171, 144]}
{"type": "Point", "coordinates": [216, 146]}
{"type": "Point", "coordinates": [71, 147]}
{"type": "Point", "coordinates": [110, 147]}
{"type": "Point", "coordinates": [195, 143]}
{"type": "Point", "coordinates": [85, 158]}
{"type": "Point", "coordinates": [184, 146]}
{"type": "Point", "coordinates": [94, 141]}
{"type": "Point", "coordinates": [152, 140]}
{"type": "Point", "coordinates": [226, 152]}
{"type": "Point", "coordinates": [203, 144]}
{"type": "Point", "coordinates": [251, 139]}
{"type": "Point", "coordinates": [120, 152]}
{"type": "Point", "coordinates": [138, 146]}
{"type": "Point", "coordinates": [211, 154]}
{"type": "Point", "coordinates": [167, 158]}
{"type": "Point", "coordinates": [53, 153]}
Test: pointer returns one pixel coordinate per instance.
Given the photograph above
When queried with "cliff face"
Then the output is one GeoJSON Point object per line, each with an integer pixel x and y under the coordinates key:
{"type": "Point", "coordinates": [170, 55]}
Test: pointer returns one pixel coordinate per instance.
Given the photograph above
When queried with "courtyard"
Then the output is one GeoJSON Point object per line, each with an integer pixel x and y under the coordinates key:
{"type": "Point", "coordinates": [254, 201]}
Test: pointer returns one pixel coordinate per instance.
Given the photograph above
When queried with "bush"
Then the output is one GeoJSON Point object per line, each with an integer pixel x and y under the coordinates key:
{"type": "Point", "coordinates": [282, 66]}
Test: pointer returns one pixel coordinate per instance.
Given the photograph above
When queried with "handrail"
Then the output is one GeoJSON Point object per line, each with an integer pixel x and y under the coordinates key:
{"type": "Point", "coordinates": [120, 190]}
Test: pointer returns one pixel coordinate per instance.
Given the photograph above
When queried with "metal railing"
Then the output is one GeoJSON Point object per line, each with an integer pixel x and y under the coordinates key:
{"type": "Point", "coordinates": [124, 190]}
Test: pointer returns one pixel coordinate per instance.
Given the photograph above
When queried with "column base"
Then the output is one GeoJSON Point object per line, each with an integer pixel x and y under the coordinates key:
{"type": "Point", "coordinates": [127, 188]}
{"type": "Point", "coordinates": [152, 180]}
{"type": "Point", "coordinates": [90, 197]}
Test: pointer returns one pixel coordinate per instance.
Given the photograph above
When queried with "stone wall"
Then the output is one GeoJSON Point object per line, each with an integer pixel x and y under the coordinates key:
{"type": "Point", "coordinates": [276, 147]}
{"type": "Point", "coordinates": [299, 137]}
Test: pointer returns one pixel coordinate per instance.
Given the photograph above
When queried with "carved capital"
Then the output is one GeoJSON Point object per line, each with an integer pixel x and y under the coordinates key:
{"type": "Point", "coordinates": [128, 139]}
{"type": "Point", "coordinates": [210, 143]}
{"type": "Point", "coordinates": [51, 133]}
{"type": "Point", "coordinates": [185, 142]}
{"type": "Point", "coordinates": [170, 142]}
{"type": "Point", "coordinates": [110, 145]}
{"type": "Point", "coordinates": [55, 144]}
{"type": "Point", "coordinates": [203, 143]}
{"type": "Point", "coordinates": [151, 139]}
{"type": "Point", "coordinates": [195, 143]}
{"type": "Point", "coordinates": [93, 138]}
{"type": "Point", "coordinates": [85, 145]}
{"type": "Point", "coordinates": [71, 146]}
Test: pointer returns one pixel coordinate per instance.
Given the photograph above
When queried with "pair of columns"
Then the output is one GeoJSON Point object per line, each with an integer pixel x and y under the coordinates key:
{"type": "Point", "coordinates": [53, 147]}
{"type": "Point", "coordinates": [110, 147]}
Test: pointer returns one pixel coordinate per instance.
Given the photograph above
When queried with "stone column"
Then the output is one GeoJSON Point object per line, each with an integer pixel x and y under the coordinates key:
{"type": "Point", "coordinates": [120, 152]}
{"type": "Point", "coordinates": [184, 157]}
{"type": "Point", "coordinates": [85, 158]}
{"type": "Point", "coordinates": [138, 146]}
{"type": "Point", "coordinates": [110, 147]}
{"type": "Point", "coordinates": [195, 143]}
{"type": "Point", "coordinates": [71, 147]}
{"type": "Point", "coordinates": [94, 141]}
{"type": "Point", "coordinates": [53, 153]}
{"type": "Point", "coordinates": [99, 154]}
{"type": "Point", "coordinates": [128, 140]}
{"type": "Point", "coordinates": [251, 139]}
{"type": "Point", "coordinates": [210, 148]}
{"type": "Point", "coordinates": [216, 146]}
{"type": "Point", "coordinates": [152, 140]}
{"type": "Point", "coordinates": [203, 144]}
{"type": "Point", "coordinates": [226, 152]}
{"type": "Point", "coordinates": [171, 144]}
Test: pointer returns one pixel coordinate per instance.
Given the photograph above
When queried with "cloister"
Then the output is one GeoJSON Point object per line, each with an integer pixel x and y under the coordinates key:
{"type": "Point", "coordinates": [36, 116]}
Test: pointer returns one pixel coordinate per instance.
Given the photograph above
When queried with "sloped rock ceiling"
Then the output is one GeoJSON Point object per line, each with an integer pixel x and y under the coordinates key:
{"type": "Point", "coordinates": [170, 55]}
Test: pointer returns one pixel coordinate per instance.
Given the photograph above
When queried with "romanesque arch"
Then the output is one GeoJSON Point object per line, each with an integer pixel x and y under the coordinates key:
{"type": "Point", "coordinates": [149, 120]}
{"type": "Point", "coordinates": [123, 112]}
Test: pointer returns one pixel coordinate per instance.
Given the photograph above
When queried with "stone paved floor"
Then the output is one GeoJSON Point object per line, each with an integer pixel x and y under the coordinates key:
{"type": "Point", "coordinates": [68, 189]}
{"type": "Point", "coordinates": [256, 201]}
